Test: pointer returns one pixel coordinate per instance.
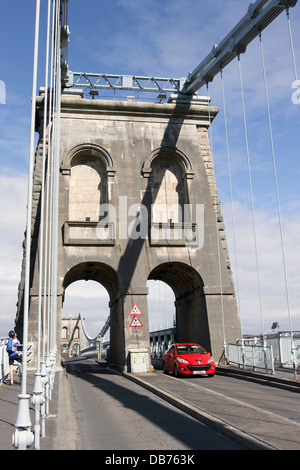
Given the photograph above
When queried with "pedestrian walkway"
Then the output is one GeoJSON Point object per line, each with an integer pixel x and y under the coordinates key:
{"type": "Point", "coordinates": [56, 421]}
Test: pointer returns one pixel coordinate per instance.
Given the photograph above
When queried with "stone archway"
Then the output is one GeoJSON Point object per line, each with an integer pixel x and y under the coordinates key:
{"type": "Point", "coordinates": [108, 277]}
{"type": "Point", "coordinates": [191, 311]}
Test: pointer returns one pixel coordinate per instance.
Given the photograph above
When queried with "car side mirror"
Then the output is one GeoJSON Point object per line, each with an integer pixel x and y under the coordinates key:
{"type": "Point", "coordinates": [171, 354]}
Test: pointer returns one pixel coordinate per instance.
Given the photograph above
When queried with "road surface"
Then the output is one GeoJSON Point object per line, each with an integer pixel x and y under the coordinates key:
{"type": "Point", "coordinates": [113, 413]}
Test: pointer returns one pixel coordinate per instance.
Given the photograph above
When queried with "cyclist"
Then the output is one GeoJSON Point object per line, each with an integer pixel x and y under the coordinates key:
{"type": "Point", "coordinates": [13, 354]}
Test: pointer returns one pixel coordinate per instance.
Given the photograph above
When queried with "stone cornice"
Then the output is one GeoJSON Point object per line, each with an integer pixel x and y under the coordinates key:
{"type": "Point", "coordinates": [176, 111]}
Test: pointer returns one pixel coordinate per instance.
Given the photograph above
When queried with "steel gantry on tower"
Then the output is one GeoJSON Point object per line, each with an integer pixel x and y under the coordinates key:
{"type": "Point", "coordinates": [259, 15]}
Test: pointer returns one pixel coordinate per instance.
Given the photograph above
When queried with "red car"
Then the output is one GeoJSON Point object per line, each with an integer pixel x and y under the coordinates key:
{"type": "Point", "coordinates": [188, 359]}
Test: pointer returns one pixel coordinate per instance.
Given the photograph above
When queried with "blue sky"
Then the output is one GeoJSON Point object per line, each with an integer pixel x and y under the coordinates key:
{"type": "Point", "coordinates": [170, 38]}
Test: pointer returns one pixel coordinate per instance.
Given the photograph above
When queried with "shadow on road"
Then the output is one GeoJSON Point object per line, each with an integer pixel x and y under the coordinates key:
{"type": "Point", "coordinates": [185, 429]}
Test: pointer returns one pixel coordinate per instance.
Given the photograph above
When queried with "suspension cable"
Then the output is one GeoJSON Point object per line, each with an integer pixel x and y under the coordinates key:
{"type": "Point", "coordinates": [48, 212]}
{"type": "Point", "coordinates": [217, 233]}
{"type": "Point", "coordinates": [232, 213]}
{"type": "Point", "coordinates": [41, 248]}
{"type": "Point", "coordinates": [253, 211]}
{"type": "Point", "coordinates": [56, 144]}
{"type": "Point", "coordinates": [293, 350]}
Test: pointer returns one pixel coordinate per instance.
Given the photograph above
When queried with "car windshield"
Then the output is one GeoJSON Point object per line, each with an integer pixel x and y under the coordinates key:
{"type": "Point", "coordinates": [190, 349]}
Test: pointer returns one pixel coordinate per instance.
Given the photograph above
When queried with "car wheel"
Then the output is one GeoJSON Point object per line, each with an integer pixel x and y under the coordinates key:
{"type": "Point", "coordinates": [176, 372]}
{"type": "Point", "coordinates": [165, 371]}
{"type": "Point", "coordinates": [210, 375]}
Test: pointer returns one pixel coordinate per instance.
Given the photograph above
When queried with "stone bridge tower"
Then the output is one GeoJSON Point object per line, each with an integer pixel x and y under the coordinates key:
{"type": "Point", "coordinates": [137, 201]}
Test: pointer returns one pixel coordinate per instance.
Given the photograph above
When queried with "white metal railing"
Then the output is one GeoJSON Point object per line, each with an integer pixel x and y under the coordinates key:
{"type": "Point", "coordinates": [254, 356]}
{"type": "Point", "coordinates": [285, 349]}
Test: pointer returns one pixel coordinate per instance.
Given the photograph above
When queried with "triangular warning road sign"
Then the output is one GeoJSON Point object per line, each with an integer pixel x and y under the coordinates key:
{"type": "Point", "coordinates": [135, 310]}
{"type": "Point", "coordinates": [136, 322]}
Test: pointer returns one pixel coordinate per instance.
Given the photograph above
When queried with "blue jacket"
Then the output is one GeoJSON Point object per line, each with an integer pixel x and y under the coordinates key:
{"type": "Point", "coordinates": [12, 347]}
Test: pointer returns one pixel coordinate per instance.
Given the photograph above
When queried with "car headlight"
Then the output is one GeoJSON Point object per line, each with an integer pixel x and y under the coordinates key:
{"type": "Point", "coordinates": [211, 359]}
{"type": "Point", "coordinates": [179, 359]}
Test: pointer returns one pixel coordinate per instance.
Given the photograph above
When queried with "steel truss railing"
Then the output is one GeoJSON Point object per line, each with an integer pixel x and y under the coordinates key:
{"type": "Point", "coordinates": [106, 81]}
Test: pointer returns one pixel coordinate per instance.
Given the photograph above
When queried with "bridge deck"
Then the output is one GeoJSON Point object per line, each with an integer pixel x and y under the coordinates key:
{"type": "Point", "coordinates": [251, 426]}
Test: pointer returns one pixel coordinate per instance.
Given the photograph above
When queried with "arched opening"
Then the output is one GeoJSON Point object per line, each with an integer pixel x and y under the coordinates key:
{"type": "Point", "coordinates": [88, 188]}
{"type": "Point", "coordinates": [96, 285]}
{"type": "Point", "coordinates": [169, 172]}
{"type": "Point", "coordinates": [190, 305]}
{"type": "Point", "coordinates": [89, 299]}
{"type": "Point", "coordinates": [168, 193]}
{"type": "Point", "coordinates": [161, 316]}
{"type": "Point", "coordinates": [161, 306]}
